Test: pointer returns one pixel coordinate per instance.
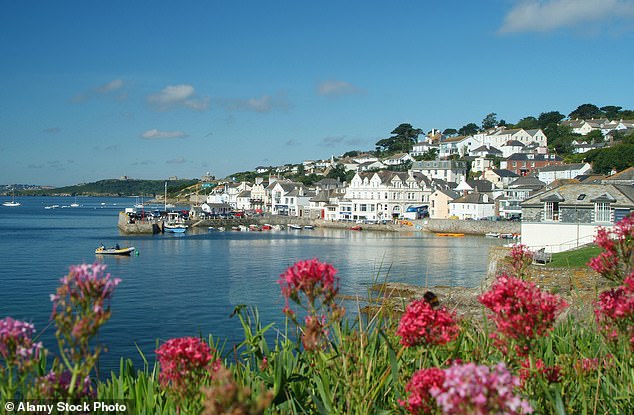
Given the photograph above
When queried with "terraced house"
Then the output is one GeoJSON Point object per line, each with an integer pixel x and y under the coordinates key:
{"type": "Point", "coordinates": [384, 195]}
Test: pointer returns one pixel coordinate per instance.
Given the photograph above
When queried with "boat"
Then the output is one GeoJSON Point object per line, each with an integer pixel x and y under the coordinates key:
{"type": "Point", "coordinates": [11, 203]}
{"type": "Point", "coordinates": [74, 204]}
{"type": "Point", "coordinates": [174, 227]}
{"type": "Point", "coordinates": [116, 250]}
{"type": "Point", "coordinates": [492, 235]}
{"type": "Point", "coordinates": [450, 234]}
{"type": "Point", "coordinates": [356, 228]}
{"type": "Point", "coordinates": [267, 227]}
{"type": "Point", "coordinates": [51, 207]}
{"type": "Point", "coordinates": [292, 226]}
{"type": "Point", "coordinates": [310, 227]}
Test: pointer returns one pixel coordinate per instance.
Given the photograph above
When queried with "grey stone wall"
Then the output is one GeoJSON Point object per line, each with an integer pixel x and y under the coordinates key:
{"type": "Point", "coordinates": [476, 227]}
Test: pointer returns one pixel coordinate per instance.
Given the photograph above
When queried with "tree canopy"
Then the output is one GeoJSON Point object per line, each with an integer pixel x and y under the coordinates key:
{"type": "Point", "coordinates": [489, 121]}
{"type": "Point", "coordinates": [402, 139]}
{"type": "Point", "coordinates": [469, 129]}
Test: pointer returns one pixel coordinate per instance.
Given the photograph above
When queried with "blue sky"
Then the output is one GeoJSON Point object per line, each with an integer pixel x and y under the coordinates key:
{"type": "Point", "coordinates": [151, 89]}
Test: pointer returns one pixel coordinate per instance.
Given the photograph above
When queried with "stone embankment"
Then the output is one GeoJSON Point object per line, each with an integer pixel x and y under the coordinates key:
{"type": "Point", "coordinates": [475, 227]}
{"type": "Point", "coordinates": [579, 287]}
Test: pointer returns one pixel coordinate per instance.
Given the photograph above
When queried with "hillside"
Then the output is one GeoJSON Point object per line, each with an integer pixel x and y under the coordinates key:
{"type": "Point", "coordinates": [116, 187]}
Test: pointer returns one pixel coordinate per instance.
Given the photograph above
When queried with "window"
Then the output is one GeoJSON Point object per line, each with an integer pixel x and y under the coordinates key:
{"type": "Point", "coordinates": [602, 212]}
{"type": "Point", "coordinates": [551, 211]}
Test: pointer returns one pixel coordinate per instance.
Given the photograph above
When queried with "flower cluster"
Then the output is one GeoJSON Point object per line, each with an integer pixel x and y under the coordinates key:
{"type": "Point", "coordinates": [472, 389]}
{"type": "Point", "coordinates": [552, 374]}
{"type": "Point", "coordinates": [314, 279]}
{"type": "Point", "coordinates": [82, 302]}
{"type": "Point", "coordinates": [184, 363]}
{"type": "Point", "coordinates": [420, 400]}
{"type": "Point", "coordinates": [521, 311]}
{"type": "Point", "coordinates": [316, 282]}
{"type": "Point", "coordinates": [614, 311]}
{"type": "Point", "coordinates": [16, 343]}
{"type": "Point", "coordinates": [617, 259]}
{"type": "Point", "coordinates": [521, 258]}
{"type": "Point", "coordinates": [57, 385]}
{"type": "Point", "coordinates": [423, 325]}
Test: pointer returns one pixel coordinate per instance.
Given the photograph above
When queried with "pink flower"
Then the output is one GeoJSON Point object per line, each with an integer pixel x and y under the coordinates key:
{"type": "Point", "coordinates": [617, 259]}
{"type": "Point", "coordinates": [311, 278]}
{"type": "Point", "coordinates": [521, 258]}
{"type": "Point", "coordinates": [58, 385]}
{"type": "Point", "coordinates": [614, 311]}
{"type": "Point", "coordinates": [16, 343]}
{"type": "Point", "coordinates": [420, 400]}
{"type": "Point", "coordinates": [422, 324]}
{"type": "Point", "coordinates": [521, 311]}
{"type": "Point", "coordinates": [184, 362]}
{"type": "Point", "coordinates": [552, 374]}
{"type": "Point", "coordinates": [479, 390]}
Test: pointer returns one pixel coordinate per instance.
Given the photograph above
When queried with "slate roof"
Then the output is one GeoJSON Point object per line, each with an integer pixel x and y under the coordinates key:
{"type": "Point", "coordinates": [481, 185]}
{"type": "Point", "coordinates": [475, 198]}
{"type": "Point", "coordinates": [563, 167]}
{"type": "Point", "coordinates": [514, 143]}
{"type": "Point", "coordinates": [570, 195]}
{"type": "Point", "coordinates": [504, 173]}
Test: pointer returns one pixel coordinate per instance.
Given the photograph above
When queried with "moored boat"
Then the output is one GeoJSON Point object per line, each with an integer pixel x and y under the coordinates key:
{"type": "Point", "coordinates": [309, 227]}
{"type": "Point", "coordinates": [492, 235]}
{"type": "Point", "coordinates": [102, 250]}
{"type": "Point", "coordinates": [356, 228]}
{"type": "Point", "coordinates": [174, 227]}
{"type": "Point", "coordinates": [294, 227]}
{"type": "Point", "coordinates": [450, 234]}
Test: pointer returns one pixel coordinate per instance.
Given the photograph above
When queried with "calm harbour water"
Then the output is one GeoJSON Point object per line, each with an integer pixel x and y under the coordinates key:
{"type": "Point", "coordinates": [183, 285]}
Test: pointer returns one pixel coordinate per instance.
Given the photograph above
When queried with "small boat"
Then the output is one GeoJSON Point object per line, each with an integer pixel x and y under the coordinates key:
{"type": "Point", "coordinates": [492, 235]}
{"type": "Point", "coordinates": [174, 227]}
{"type": "Point", "coordinates": [102, 250]}
{"type": "Point", "coordinates": [11, 203]}
{"type": "Point", "coordinates": [310, 227]}
{"type": "Point", "coordinates": [74, 204]}
{"type": "Point", "coordinates": [255, 228]}
{"type": "Point", "coordinates": [51, 207]}
{"type": "Point", "coordinates": [356, 228]}
{"type": "Point", "coordinates": [294, 227]}
{"type": "Point", "coordinates": [267, 227]}
{"type": "Point", "coordinates": [450, 234]}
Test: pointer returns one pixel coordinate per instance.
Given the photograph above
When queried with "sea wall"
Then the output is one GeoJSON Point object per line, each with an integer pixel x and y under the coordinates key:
{"type": "Point", "coordinates": [476, 227]}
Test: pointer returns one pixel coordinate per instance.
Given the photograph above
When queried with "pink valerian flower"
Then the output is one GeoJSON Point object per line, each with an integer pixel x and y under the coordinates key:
{"type": "Point", "coordinates": [614, 311]}
{"type": "Point", "coordinates": [420, 400]}
{"type": "Point", "coordinates": [617, 259]}
{"type": "Point", "coordinates": [521, 258]}
{"type": "Point", "coordinates": [57, 385]}
{"type": "Point", "coordinates": [421, 324]}
{"type": "Point", "coordinates": [311, 278]}
{"type": "Point", "coordinates": [521, 312]}
{"type": "Point", "coordinates": [317, 283]}
{"type": "Point", "coordinates": [185, 362]}
{"type": "Point", "coordinates": [552, 374]}
{"type": "Point", "coordinates": [479, 390]}
{"type": "Point", "coordinates": [17, 347]}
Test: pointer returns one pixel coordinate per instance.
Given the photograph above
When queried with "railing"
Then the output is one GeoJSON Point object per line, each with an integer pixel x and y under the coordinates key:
{"type": "Point", "coordinates": [568, 245]}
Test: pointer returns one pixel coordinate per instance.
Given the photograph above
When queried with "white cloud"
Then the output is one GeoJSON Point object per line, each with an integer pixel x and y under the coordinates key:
{"type": "Point", "coordinates": [548, 15]}
{"type": "Point", "coordinates": [263, 104]}
{"type": "Point", "coordinates": [156, 134]}
{"type": "Point", "coordinates": [178, 96]}
{"type": "Point", "coordinates": [336, 88]}
{"type": "Point", "coordinates": [110, 86]}
{"type": "Point", "coordinates": [102, 90]}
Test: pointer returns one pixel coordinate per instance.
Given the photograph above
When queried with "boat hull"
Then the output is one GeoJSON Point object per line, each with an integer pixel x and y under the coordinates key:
{"type": "Point", "coordinates": [113, 251]}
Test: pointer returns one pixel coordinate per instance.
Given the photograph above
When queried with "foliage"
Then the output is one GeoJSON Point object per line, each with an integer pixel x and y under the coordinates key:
{"type": "Point", "coordinates": [586, 112]}
{"type": "Point", "coordinates": [618, 157]}
{"type": "Point", "coordinates": [489, 121]}
{"type": "Point", "coordinates": [114, 187]}
{"type": "Point", "coordinates": [402, 139]}
{"type": "Point", "coordinates": [468, 129]}
{"type": "Point", "coordinates": [431, 154]}
{"type": "Point", "coordinates": [450, 132]}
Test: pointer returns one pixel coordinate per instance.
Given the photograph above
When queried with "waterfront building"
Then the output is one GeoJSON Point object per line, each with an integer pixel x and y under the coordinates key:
{"type": "Point", "coordinates": [474, 206]}
{"type": "Point", "coordinates": [439, 203]}
{"type": "Point", "coordinates": [569, 216]}
{"type": "Point", "coordinates": [384, 195]}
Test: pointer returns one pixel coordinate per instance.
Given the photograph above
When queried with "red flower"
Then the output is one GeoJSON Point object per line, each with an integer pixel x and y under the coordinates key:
{"type": "Point", "coordinates": [421, 324]}
{"type": "Point", "coordinates": [420, 400]}
{"type": "Point", "coordinates": [521, 311]}
{"type": "Point", "coordinates": [184, 362]}
{"type": "Point", "coordinates": [614, 311]}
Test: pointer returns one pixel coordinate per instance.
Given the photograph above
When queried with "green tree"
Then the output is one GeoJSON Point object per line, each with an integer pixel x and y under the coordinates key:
{"type": "Point", "coordinates": [450, 132]}
{"type": "Point", "coordinates": [352, 153]}
{"type": "Point", "coordinates": [528, 123]}
{"type": "Point", "coordinates": [595, 136]}
{"type": "Point", "coordinates": [431, 154]}
{"type": "Point", "coordinates": [611, 112]}
{"type": "Point", "coordinates": [549, 118]}
{"type": "Point", "coordinates": [402, 139]}
{"type": "Point", "coordinates": [586, 111]}
{"type": "Point", "coordinates": [468, 129]}
{"type": "Point", "coordinates": [337, 172]}
{"type": "Point", "coordinates": [489, 121]}
{"type": "Point", "coordinates": [619, 157]}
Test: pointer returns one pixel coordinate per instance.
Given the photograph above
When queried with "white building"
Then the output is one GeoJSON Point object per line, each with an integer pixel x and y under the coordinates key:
{"type": "Point", "coordinates": [472, 206]}
{"type": "Point", "coordinates": [448, 170]}
{"type": "Point", "coordinates": [549, 174]}
{"type": "Point", "coordinates": [384, 195]}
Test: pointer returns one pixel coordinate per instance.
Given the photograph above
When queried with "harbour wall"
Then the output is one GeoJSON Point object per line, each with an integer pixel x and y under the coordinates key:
{"type": "Point", "coordinates": [474, 227]}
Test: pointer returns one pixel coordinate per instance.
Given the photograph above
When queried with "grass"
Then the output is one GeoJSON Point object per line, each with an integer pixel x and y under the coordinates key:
{"type": "Point", "coordinates": [575, 258]}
